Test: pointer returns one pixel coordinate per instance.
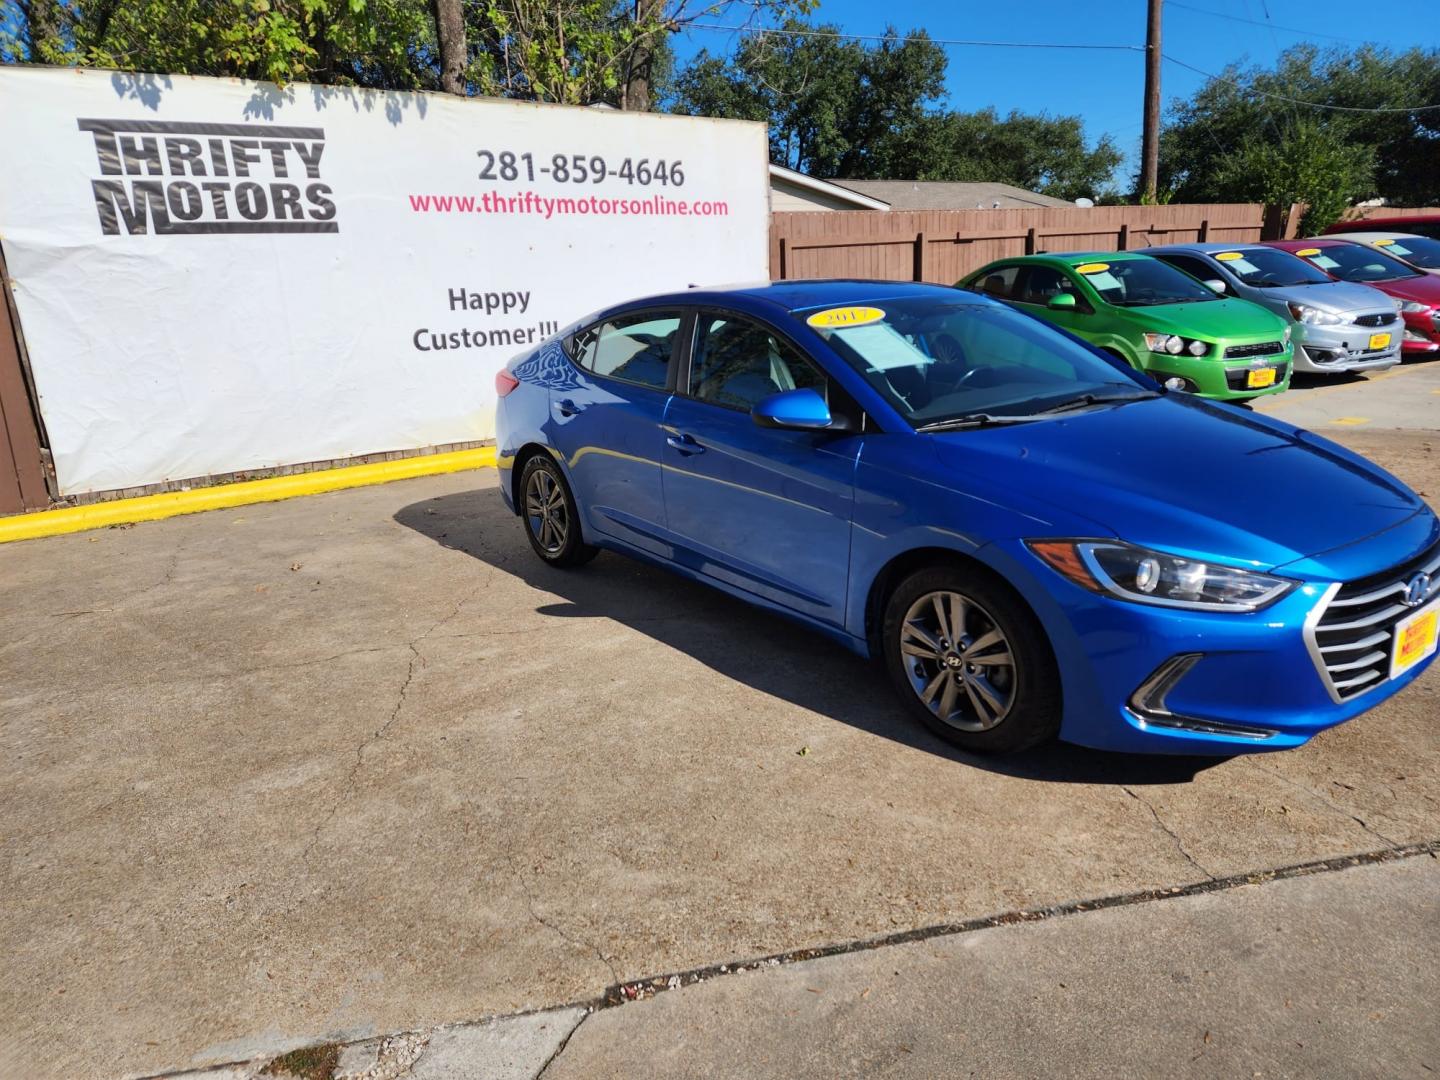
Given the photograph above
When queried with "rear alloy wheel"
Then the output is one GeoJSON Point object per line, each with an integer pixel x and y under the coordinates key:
{"type": "Point", "coordinates": [551, 520]}
{"type": "Point", "coordinates": [970, 661]}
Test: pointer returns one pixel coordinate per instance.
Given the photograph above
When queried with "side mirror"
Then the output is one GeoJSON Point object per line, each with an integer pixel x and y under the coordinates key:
{"type": "Point", "coordinates": [798, 410]}
{"type": "Point", "coordinates": [1061, 301]}
{"type": "Point", "coordinates": [1216, 285]}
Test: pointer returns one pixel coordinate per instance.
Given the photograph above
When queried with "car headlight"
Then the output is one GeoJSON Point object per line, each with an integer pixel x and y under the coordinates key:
{"type": "Point", "coordinates": [1314, 316]}
{"type": "Point", "coordinates": [1142, 576]}
{"type": "Point", "coordinates": [1174, 345]}
{"type": "Point", "coordinates": [1413, 306]}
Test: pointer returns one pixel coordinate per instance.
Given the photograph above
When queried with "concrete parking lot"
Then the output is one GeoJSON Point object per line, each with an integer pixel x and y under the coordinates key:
{"type": "Point", "coordinates": [359, 764]}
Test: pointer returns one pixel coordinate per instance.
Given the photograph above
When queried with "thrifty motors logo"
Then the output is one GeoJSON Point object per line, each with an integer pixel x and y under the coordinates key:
{"type": "Point", "coordinates": [177, 178]}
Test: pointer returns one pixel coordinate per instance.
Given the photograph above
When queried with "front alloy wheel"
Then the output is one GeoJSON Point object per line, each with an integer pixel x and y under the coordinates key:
{"type": "Point", "coordinates": [970, 660]}
{"type": "Point", "coordinates": [959, 661]}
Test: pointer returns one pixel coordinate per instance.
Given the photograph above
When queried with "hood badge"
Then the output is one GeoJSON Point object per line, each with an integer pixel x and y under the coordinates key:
{"type": "Point", "coordinates": [1417, 590]}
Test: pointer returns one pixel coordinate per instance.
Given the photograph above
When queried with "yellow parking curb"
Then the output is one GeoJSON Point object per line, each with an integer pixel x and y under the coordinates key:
{"type": "Point", "coordinates": [71, 519]}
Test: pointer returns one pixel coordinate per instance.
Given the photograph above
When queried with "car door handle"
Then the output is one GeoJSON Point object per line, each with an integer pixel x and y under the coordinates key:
{"type": "Point", "coordinates": [685, 444]}
{"type": "Point", "coordinates": [566, 407]}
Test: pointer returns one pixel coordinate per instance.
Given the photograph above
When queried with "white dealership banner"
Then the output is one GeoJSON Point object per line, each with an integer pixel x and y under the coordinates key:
{"type": "Point", "coordinates": [214, 276]}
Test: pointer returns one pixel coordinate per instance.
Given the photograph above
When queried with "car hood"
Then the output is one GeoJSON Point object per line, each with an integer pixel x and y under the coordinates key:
{"type": "Point", "coordinates": [1425, 288]}
{"type": "Point", "coordinates": [1337, 297]}
{"type": "Point", "coordinates": [1206, 319]}
{"type": "Point", "coordinates": [1185, 476]}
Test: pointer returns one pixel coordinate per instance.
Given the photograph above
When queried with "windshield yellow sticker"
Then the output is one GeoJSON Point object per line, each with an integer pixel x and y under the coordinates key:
{"type": "Point", "coordinates": [1093, 268]}
{"type": "Point", "coordinates": [1383, 243]}
{"type": "Point", "coordinates": [1229, 256]}
{"type": "Point", "coordinates": [836, 317]}
{"type": "Point", "coordinates": [1308, 251]}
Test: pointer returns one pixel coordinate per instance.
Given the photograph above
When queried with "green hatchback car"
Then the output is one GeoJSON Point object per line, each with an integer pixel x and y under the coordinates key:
{"type": "Point", "coordinates": [1152, 316]}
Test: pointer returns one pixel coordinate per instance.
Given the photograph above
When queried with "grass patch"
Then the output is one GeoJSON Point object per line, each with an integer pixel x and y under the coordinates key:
{"type": "Point", "coordinates": [307, 1063]}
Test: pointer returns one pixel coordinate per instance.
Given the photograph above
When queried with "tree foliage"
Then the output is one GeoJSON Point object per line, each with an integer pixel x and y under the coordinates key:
{"type": "Point", "coordinates": [1308, 163]}
{"type": "Point", "coordinates": [1209, 137]}
{"type": "Point", "coordinates": [573, 51]}
{"type": "Point", "coordinates": [841, 108]}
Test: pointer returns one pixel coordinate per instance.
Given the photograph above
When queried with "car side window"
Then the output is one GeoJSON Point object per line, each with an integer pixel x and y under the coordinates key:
{"type": "Point", "coordinates": [738, 363]}
{"type": "Point", "coordinates": [1196, 268]}
{"type": "Point", "coordinates": [636, 347]}
{"type": "Point", "coordinates": [1039, 283]}
{"type": "Point", "coordinates": [999, 283]}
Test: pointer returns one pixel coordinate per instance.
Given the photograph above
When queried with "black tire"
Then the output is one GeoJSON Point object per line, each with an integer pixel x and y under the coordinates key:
{"type": "Point", "coordinates": [1028, 685]}
{"type": "Point", "coordinates": [550, 516]}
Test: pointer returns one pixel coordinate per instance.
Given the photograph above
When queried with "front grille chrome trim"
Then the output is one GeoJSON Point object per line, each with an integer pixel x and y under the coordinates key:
{"type": "Point", "coordinates": [1148, 705]}
{"type": "Point", "coordinates": [1359, 661]}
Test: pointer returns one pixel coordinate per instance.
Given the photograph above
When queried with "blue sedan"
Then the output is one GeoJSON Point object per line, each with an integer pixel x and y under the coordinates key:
{"type": "Point", "coordinates": [1036, 540]}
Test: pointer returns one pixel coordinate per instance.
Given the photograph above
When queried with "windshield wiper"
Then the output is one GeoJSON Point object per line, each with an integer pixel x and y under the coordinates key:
{"type": "Point", "coordinates": [978, 419]}
{"type": "Point", "coordinates": [1084, 401]}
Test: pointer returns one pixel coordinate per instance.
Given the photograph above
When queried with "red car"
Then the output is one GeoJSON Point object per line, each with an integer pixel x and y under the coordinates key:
{"type": "Point", "coordinates": [1415, 224]}
{"type": "Point", "coordinates": [1417, 294]}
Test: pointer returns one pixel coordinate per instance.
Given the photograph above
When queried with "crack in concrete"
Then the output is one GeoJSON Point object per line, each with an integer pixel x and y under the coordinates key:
{"type": "Point", "coordinates": [416, 657]}
{"type": "Point", "coordinates": [563, 1044]}
{"type": "Point", "coordinates": [1174, 837]}
{"type": "Point", "coordinates": [1324, 800]}
{"type": "Point", "coordinates": [579, 943]}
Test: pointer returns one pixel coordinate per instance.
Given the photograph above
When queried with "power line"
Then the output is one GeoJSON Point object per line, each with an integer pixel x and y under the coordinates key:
{"type": "Point", "coordinates": [899, 37]}
{"type": "Point", "coordinates": [1058, 45]}
{"type": "Point", "coordinates": [1294, 100]}
{"type": "Point", "coordinates": [1257, 22]}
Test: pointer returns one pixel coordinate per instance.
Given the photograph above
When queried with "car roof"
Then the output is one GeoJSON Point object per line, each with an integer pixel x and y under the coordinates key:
{"type": "Point", "coordinates": [1371, 237]}
{"type": "Point", "coordinates": [1206, 246]}
{"type": "Point", "coordinates": [793, 295]}
{"type": "Point", "coordinates": [1313, 242]}
{"type": "Point", "coordinates": [1069, 258]}
{"type": "Point", "coordinates": [1390, 219]}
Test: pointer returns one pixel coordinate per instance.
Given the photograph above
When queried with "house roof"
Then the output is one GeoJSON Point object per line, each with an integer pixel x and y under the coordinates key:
{"type": "Point", "coordinates": [949, 195]}
{"type": "Point", "coordinates": [845, 194]}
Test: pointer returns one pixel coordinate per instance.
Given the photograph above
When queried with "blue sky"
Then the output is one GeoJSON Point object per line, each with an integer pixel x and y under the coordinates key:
{"type": "Point", "coordinates": [1103, 87]}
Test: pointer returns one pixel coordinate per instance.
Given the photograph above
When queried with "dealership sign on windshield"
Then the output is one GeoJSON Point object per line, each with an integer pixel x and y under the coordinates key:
{"type": "Point", "coordinates": [214, 276]}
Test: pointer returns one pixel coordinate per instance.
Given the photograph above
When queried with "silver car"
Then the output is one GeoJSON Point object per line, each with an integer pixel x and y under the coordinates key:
{"type": "Point", "coordinates": [1421, 252]}
{"type": "Point", "coordinates": [1337, 326]}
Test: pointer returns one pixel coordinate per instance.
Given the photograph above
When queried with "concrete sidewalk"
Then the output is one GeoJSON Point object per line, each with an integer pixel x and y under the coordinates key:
{"type": "Point", "coordinates": [1329, 974]}
{"type": "Point", "coordinates": [1406, 397]}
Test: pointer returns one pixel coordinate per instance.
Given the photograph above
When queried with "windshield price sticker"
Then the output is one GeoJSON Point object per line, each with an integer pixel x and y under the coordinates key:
{"type": "Point", "coordinates": [1307, 252]}
{"type": "Point", "coordinates": [834, 318]}
{"type": "Point", "coordinates": [1383, 243]}
{"type": "Point", "coordinates": [1093, 268]}
{"type": "Point", "coordinates": [1229, 256]}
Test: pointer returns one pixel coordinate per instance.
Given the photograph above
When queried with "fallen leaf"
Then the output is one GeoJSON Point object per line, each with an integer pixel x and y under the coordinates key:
{"type": "Point", "coordinates": [804, 751]}
{"type": "Point", "coordinates": [294, 566]}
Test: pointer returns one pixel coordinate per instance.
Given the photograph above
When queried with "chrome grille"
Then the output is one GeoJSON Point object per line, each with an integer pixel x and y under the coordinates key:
{"type": "Point", "coordinates": [1265, 348]}
{"type": "Point", "coordinates": [1351, 635]}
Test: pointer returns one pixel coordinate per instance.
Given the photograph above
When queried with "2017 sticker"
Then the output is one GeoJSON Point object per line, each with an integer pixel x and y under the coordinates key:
{"type": "Point", "coordinates": [835, 318]}
{"type": "Point", "coordinates": [1229, 256]}
{"type": "Point", "coordinates": [1308, 252]}
{"type": "Point", "coordinates": [1383, 243]}
{"type": "Point", "coordinates": [1092, 268]}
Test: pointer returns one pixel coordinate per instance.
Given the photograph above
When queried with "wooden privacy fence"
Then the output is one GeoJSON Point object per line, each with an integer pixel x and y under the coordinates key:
{"type": "Point", "coordinates": [22, 464]}
{"type": "Point", "coordinates": [945, 245]}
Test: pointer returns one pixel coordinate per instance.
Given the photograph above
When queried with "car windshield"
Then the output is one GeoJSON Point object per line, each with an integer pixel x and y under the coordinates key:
{"type": "Point", "coordinates": [1269, 268]}
{"type": "Point", "coordinates": [1356, 262]}
{"type": "Point", "coordinates": [1416, 250]}
{"type": "Point", "coordinates": [968, 361]}
{"type": "Point", "coordinates": [1142, 283]}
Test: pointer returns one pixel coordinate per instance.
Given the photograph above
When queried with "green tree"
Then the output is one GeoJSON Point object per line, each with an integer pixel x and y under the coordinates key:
{"type": "Point", "coordinates": [841, 108]}
{"type": "Point", "coordinates": [1246, 105]}
{"type": "Point", "coordinates": [1308, 163]}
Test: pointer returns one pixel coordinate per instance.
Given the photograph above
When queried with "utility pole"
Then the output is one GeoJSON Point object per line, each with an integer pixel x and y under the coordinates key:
{"type": "Point", "coordinates": [1150, 141]}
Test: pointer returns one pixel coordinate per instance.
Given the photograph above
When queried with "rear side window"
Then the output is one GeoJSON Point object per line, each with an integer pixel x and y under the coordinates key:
{"type": "Point", "coordinates": [999, 283]}
{"type": "Point", "coordinates": [637, 348]}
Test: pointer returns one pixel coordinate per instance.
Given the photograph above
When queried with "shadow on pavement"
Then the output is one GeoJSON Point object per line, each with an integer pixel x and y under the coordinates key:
{"type": "Point", "coordinates": [759, 649]}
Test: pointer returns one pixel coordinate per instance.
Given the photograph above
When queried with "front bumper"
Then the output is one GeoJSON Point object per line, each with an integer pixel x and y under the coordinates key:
{"type": "Point", "coordinates": [1422, 336]}
{"type": "Point", "coordinates": [1222, 380]}
{"type": "Point", "coordinates": [1330, 350]}
{"type": "Point", "coordinates": [1247, 682]}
